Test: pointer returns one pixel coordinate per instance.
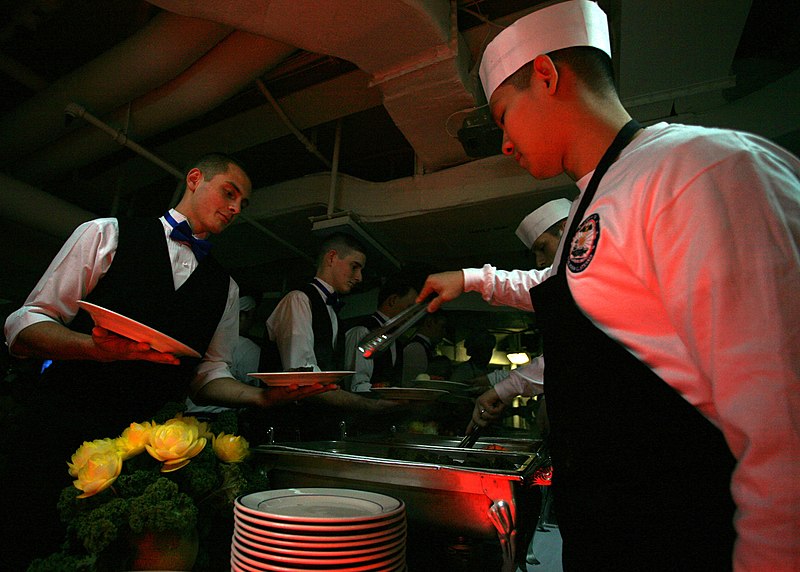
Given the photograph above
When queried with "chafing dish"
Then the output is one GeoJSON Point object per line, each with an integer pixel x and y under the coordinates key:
{"type": "Point", "coordinates": [500, 443]}
{"type": "Point", "coordinates": [450, 488]}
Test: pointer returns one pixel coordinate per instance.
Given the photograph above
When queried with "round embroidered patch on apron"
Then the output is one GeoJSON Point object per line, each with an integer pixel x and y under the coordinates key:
{"type": "Point", "coordinates": [584, 244]}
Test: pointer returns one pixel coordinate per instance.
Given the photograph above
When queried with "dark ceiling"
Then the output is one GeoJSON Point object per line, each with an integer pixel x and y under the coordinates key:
{"type": "Point", "coordinates": [429, 215]}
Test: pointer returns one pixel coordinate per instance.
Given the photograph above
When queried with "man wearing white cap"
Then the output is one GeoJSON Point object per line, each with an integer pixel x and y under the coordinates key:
{"type": "Point", "coordinates": [541, 233]}
{"type": "Point", "coordinates": [673, 349]}
{"type": "Point", "coordinates": [541, 230]}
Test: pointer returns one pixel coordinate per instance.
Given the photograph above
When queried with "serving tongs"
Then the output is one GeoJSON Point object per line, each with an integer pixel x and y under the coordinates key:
{"type": "Point", "coordinates": [470, 438]}
{"type": "Point", "coordinates": [378, 340]}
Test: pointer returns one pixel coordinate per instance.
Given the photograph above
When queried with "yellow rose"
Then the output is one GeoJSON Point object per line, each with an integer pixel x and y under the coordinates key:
{"type": "Point", "coordinates": [133, 439]}
{"type": "Point", "coordinates": [175, 443]}
{"type": "Point", "coordinates": [231, 448]}
{"type": "Point", "coordinates": [88, 450]}
{"type": "Point", "coordinates": [98, 472]}
{"type": "Point", "coordinates": [202, 426]}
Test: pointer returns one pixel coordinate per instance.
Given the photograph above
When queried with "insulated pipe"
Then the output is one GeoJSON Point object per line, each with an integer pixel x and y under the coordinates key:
{"type": "Point", "coordinates": [412, 48]}
{"type": "Point", "coordinates": [39, 210]}
{"type": "Point", "coordinates": [335, 168]}
{"type": "Point", "coordinates": [233, 64]}
{"type": "Point", "coordinates": [172, 40]}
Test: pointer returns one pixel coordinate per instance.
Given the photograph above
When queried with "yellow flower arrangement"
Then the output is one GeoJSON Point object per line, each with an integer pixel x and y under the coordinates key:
{"type": "Point", "coordinates": [154, 476]}
{"type": "Point", "coordinates": [231, 448]}
{"type": "Point", "coordinates": [97, 464]}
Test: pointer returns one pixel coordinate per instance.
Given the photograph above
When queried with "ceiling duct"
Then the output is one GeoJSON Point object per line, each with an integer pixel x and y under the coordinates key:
{"type": "Point", "coordinates": [422, 65]}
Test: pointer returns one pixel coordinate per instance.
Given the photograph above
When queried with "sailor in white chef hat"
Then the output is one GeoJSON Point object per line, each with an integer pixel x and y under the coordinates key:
{"type": "Point", "coordinates": [647, 374]}
{"type": "Point", "coordinates": [563, 25]}
{"type": "Point", "coordinates": [541, 230]}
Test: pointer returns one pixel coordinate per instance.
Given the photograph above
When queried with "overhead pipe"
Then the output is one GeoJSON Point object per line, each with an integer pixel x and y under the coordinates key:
{"type": "Point", "coordinates": [412, 48]}
{"type": "Point", "coordinates": [24, 75]}
{"type": "Point", "coordinates": [32, 207]}
{"type": "Point", "coordinates": [335, 167]}
{"type": "Point", "coordinates": [172, 40]}
{"type": "Point", "coordinates": [75, 110]}
{"type": "Point", "coordinates": [288, 122]}
{"type": "Point", "coordinates": [224, 71]}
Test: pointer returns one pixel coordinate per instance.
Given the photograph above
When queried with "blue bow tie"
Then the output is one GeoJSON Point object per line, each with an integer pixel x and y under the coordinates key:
{"type": "Point", "coordinates": [182, 232]}
{"type": "Point", "coordinates": [331, 298]}
{"type": "Point", "coordinates": [334, 301]}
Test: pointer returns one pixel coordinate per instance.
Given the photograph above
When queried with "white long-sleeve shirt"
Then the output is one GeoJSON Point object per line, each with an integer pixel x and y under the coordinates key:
{"type": "Point", "coordinates": [289, 326]}
{"type": "Point", "coordinates": [526, 381]}
{"type": "Point", "coordinates": [85, 258]}
{"type": "Point", "coordinates": [697, 273]}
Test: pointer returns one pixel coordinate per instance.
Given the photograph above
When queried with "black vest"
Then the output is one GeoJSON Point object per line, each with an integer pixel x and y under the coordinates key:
{"type": "Point", "coordinates": [329, 354]}
{"type": "Point", "coordinates": [139, 285]}
{"type": "Point", "coordinates": [383, 370]}
{"type": "Point", "coordinates": [427, 345]}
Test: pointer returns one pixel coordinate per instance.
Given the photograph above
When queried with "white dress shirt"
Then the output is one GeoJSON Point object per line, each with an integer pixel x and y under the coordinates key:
{"type": "Point", "coordinates": [525, 381]}
{"type": "Point", "coordinates": [415, 360]}
{"type": "Point", "coordinates": [290, 326]}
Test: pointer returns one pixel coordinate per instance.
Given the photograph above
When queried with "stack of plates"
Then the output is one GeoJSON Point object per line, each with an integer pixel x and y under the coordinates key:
{"type": "Point", "coordinates": [318, 529]}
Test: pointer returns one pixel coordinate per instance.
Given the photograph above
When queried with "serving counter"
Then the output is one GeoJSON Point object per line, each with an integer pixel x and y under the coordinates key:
{"type": "Point", "coordinates": [463, 496]}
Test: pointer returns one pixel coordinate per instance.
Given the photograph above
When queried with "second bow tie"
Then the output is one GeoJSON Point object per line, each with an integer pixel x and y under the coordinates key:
{"type": "Point", "coordinates": [183, 233]}
{"type": "Point", "coordinates": [334, 301]}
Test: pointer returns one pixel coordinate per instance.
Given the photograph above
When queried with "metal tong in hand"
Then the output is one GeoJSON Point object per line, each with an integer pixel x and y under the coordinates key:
{"type": "Point", "coordinates": [380, 339]}
{"type": "Point", "coordinates": [471, 438]}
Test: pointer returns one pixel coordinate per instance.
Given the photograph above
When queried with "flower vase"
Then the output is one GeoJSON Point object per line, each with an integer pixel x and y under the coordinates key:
{"type": "Point", "coordinates": [171, 550]}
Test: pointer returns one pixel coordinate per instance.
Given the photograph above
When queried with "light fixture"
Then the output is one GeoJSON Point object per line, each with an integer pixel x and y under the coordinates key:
{"type": "Point", "coordinates": [518, 358]}
{"type": "Point", "coordinates": [515, 352]}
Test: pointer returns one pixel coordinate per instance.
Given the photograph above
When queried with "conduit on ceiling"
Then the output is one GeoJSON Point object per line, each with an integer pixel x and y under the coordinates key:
{"type": "Point", "coordinates": [233, 63]}
{"type": "Point", "coordinates": [176, 42]}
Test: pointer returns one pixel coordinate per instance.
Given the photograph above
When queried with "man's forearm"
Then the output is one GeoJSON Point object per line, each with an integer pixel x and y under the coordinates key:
{"type": "Point", "coordinates": [53, 341]}
{"type": "Point", "coordinates": [227, 392]}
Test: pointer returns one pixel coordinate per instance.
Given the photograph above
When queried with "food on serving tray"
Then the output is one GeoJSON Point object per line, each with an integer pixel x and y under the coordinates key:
{"type": "Point", "coordinates": [494, 447]}
{"type": "Point", "coordinates": [468, 460]}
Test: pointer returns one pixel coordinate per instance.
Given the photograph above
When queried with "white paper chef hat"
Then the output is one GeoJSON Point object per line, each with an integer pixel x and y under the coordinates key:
{"type": "Point", "coordinates": [563, 25]}
{"type": "Point", "coordinates": [246, 303]}
{"type": "Point", "coordinates": [533, 225]}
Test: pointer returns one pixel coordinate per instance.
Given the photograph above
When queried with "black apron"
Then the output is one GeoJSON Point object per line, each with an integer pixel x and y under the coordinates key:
{"type": "Point", "coordinates": [641, 479]}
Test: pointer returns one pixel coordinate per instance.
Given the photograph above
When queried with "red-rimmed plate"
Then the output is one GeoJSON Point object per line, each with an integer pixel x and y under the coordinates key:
{"type": "Point", "coordinates": [343, 529]}
{"type": "Point", "coordinates": [283, 378]}
{"type": "Point", "coordinates": [367, 553]}
{"type": "Point", "coordinates": [357, 538]}
{"type": "Point", "coordinates": [255, 561]}
{"type": "Point", "coordinates": [136, 331]}
{"type": "Point", "coordinates": [320, 505]}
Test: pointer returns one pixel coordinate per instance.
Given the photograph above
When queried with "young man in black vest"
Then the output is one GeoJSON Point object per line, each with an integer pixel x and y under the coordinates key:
{"type": "Point", "coordinates": [419, 351]}
{"type": "Point", "coordinates": [303, 333]}
{"type": "Point", "coordinates": [157, 272]}
{"type": "Point", "coordinates": [386, 369]}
